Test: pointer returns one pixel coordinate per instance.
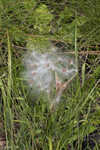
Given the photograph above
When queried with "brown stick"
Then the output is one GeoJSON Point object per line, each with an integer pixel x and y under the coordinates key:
{"type": "Point", "coordinates": [71, 52]}
{"type": "Point", "coordinates": [84, 52]}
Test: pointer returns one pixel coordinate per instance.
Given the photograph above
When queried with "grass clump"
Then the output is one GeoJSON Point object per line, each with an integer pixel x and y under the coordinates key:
{"type": "Point", "coordinates": [26, 120]}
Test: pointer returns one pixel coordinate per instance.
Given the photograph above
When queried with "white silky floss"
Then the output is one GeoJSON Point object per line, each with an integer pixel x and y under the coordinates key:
{"type": "Point", "coordinates": [40, 70]}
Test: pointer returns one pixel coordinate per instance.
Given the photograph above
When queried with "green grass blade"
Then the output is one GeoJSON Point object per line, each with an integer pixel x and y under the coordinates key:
{"type": "Point", "coordinates": [50, 143]}
{"type": "Point", "coordinates": [9, 65]}
{"type": "Point", "coordinates": [83, 74]}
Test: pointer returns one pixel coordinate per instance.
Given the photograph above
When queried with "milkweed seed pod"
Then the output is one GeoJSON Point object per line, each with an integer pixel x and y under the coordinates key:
{"type": "Point", "coordinates": [47, 71]}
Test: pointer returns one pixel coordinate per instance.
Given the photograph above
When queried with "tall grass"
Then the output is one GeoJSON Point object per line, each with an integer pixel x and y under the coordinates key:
{"type": "Point", "coordinates": [29, 124]}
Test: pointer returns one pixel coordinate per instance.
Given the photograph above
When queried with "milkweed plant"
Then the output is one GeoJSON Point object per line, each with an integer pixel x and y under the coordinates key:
{"type": "Point", "coordinates": [48, 72]}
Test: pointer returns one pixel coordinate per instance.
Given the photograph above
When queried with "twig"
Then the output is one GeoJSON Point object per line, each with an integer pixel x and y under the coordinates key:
{"type": "Point", "coordinates": [84, 52]}
{"type": "Point", "coordinates": [69, 52]}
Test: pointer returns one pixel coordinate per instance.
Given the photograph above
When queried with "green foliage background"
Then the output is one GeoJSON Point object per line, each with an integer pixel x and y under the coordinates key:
{"type": "Point", "coordinates": [51, 19]}
{"type": "Point", "coordinates": [74, 24]}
